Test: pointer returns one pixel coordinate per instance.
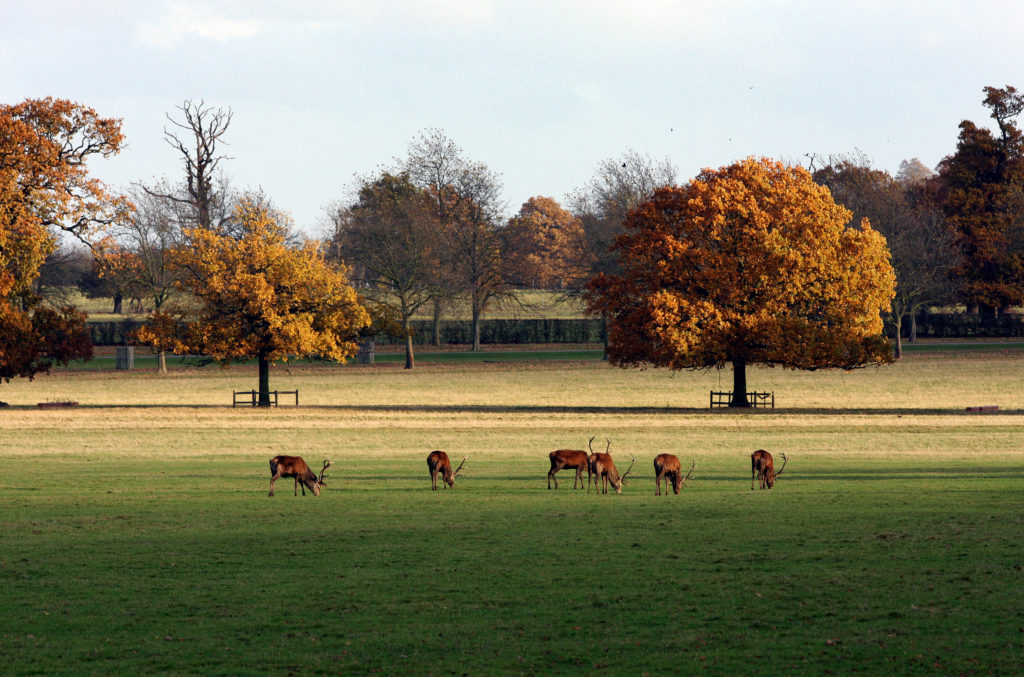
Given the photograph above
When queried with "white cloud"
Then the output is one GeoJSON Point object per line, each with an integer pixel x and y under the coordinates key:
{"type": "Point", "coordinates": [184, 20]}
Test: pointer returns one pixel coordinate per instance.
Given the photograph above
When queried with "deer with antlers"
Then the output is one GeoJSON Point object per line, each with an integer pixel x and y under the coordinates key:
{"type": "Point", "coordinates": [574, 459]}
{"type": "Point", "coordinates": [667, 466]}
{"type": "Point", "coordinates": [437, 462]}
{"type": "Point", "coordinates": [602, 467]}
{"type": "Point", "coordinates": [762, 467]}
{"type": "Point", "coordinates": [294, 466]}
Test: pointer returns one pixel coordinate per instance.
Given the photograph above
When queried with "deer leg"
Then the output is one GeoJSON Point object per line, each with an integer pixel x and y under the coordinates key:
{"type": "Point", "coordinates": [657, 485]}
{"type": "Point", "coordinates": [551, 476]}
{"type": "Point", "coordinates": [272, 484]}
{"type": "Point", "coordinates": [579, 477]}
{"type": "Point", "coordinates": [433, 480]}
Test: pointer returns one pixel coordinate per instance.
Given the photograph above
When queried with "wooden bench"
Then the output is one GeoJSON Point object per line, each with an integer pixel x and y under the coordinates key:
{"type": "Point", "coordinates": [757, 400]}
{"type": "Point", "coordinates": [252, 397]}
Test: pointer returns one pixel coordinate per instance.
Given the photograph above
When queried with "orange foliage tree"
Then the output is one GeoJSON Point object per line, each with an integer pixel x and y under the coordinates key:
{"type": "Point", "coordinates": [45, 186]}
{"type": "Point", "coordinates": [545, 246]}
{"type": "Point", "coordinates": [254, 297]}
{"type": "Point", "coordinates": [984, 185]}
{"type": "Point", "coordinates": [752, 263]}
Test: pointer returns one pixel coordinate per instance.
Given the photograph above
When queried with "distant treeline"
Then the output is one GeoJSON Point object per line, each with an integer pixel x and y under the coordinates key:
{"type": "Point", "coordinates": [460, 332]}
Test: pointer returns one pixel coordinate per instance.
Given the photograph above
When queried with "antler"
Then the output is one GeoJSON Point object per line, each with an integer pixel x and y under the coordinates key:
{"type": "Point", "coordinates": [327, 464]}
{"type": "Point", "coordinates": [689, 475]}
{"type": "Point", "coordinates": [607, 449]}
{"type": "Point", "coordinates": [783, 465]}
{"type": "Point", "coordinates": [455, 474]}
{"type": "Point", "coordinates": [623, 478]}
{"type": "Point", "coordinates": [589, 443]}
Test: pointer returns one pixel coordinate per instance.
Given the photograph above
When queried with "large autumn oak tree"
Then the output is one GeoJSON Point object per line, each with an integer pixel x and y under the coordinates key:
{"type": "Point", "coordinates": [254, 297]}
{"type": "Point", "coordinates": [45, 187]}
{"type": "Point", "coordinates": [753, 263]}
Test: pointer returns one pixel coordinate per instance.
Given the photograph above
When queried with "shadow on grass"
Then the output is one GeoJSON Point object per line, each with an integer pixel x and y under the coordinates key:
{"type": "Point", "coordinates": [554, 409]}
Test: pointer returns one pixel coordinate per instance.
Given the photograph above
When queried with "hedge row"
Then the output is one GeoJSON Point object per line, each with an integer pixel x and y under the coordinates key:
{"type": "Point", "coordinates": [958, 325]}
{"type": "Point", "coordinates": [460, 332]}
{"type": "Point", "coordinates": [453, 332]}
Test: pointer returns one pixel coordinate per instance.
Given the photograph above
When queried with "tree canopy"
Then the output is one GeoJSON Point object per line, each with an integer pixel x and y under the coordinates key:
{"type": "Point", "coordinates": [253, 297]}
{"type": "Point", "coordinates": [392, 237]}
{"type": "Point", "coordinates": [45, 186]}
{"type": "Point", "coordinates": [545, 246]}
{"type": "Point", "coordinates": [984, 183]}
{"type": "Point", "coordinates": [752, 263]}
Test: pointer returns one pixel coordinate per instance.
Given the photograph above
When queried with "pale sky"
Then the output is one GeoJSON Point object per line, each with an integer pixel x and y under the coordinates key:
{"type": "Point", "coordinates": [540, 92]}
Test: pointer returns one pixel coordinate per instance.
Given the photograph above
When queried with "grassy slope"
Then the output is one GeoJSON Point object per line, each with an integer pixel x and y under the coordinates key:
{"type": "Point", "coordinates": [141, 538]}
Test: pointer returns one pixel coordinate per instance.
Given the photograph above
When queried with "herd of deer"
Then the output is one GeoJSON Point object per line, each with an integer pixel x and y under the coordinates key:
{"type": "Point", "coordinates": [599, 466]}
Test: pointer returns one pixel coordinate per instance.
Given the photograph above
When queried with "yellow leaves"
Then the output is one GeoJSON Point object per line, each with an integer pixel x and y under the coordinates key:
{"type": "Point", "coordinates": [258, 297]}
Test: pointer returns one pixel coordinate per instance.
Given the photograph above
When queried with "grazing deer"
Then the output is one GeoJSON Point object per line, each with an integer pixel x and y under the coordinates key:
{"type": "Point", "coordinates": [294, 466]}
{"type": "Point", "coordinates": [667, 466]}
{"type": "Point", "coordinates": [602, 467]}
{"type": "Point", "coordinates": [762, 467]}
{"type": "Point", "coordinates": [437, 462]}
{"type": "Point", "coordinates": [569, 458]}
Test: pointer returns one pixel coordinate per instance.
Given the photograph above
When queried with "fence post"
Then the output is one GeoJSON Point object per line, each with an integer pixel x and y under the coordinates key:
{"type": "Point", "coordinates": [126, 357]}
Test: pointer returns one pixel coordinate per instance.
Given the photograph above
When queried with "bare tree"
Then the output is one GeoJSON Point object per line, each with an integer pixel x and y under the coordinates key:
{"type": "Point", "coordinates": [391, 238]}
{"type": "Point", "coordinates": [469, 204]}
{"type": "Point", "coordinates": [147, 238]}
{"type": "Point", "coordinates": [922, 247]}
{"type": "Point", "coordinates": [619, 184]}
{"type": "Point", "coordinates": [196, 136]}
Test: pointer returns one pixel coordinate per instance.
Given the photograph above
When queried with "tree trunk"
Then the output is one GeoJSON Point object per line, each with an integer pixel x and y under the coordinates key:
{"type": "Point", "coordinates": [897, 320]}
{"type": "Point", "coordinates": [407, 328]}
{"type": "Point", "coordinates": [913, 328]}
{"type": "Point", "coordinates": [162, 362]}
{"type": "Point", "coordinates": [118, 301]}
{"type": "Point", "coordinates": [476, 327]}
{"type": "Point", "coordinates": [438, 312]}
{"type": "Point", "coordinates": [739, 384]}
{"type": "Point", "coordinates": [604, 337]}
{"type": "Point", "coordinates": [264, 386]}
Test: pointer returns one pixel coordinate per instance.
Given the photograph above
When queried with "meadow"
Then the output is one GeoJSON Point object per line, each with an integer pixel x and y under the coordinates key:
{"type": "Point", "coordinates": [136, 534]}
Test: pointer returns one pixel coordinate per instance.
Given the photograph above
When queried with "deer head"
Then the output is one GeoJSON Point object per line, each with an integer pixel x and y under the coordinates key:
{"type": "Point", "coordinates": [772, 475]}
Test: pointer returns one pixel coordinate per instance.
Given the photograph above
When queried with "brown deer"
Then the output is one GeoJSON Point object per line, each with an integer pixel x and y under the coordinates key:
{"type": "Point", "coordinates": [667, 466]}
{"type": "Point", "coordinates": [603, 468]}
{"type": "Point", "coordinates": [294, 466]}
{"type": "Point", "coordinates": [762, 467]}
{"type": "Point", "coordinates": [437, 462]}
{"type": "Point", "coordinates": [569, 458]}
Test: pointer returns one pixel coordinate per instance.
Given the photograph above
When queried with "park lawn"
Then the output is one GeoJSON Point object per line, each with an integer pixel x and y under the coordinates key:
{"type": "Point", "coordinates": [136, 535]}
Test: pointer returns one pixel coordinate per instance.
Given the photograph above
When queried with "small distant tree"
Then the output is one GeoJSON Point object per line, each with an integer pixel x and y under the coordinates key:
{"type": "Point", "coordinates": [752, 263]}
{"type": "Point", "coordinates": [253, 297]}
{"type": "Point", "coordinates": [545, 246]}
{"type": "Point", "coordinates": [391, 236]}
{"type": "Point", "coordinates": [469, 206]}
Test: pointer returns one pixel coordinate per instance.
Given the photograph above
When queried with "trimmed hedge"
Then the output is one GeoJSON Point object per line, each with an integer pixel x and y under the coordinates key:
{"type": "Point", "coordinates": [460, 332]}
{"type": "Point", "coordinates": [958, 325]}
{"type": "Point", "coordinates": [113, 333]}
{"type": "Point", "coordinates": [453, 332]}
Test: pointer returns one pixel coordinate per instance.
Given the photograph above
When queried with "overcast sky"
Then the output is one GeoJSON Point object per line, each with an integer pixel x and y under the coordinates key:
{"type": "Point", "coordinates": [540, 92]}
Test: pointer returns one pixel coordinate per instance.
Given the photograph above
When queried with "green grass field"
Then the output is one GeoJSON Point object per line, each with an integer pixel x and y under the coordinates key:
{"type": "Point", "coordinates": [136, 535]}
